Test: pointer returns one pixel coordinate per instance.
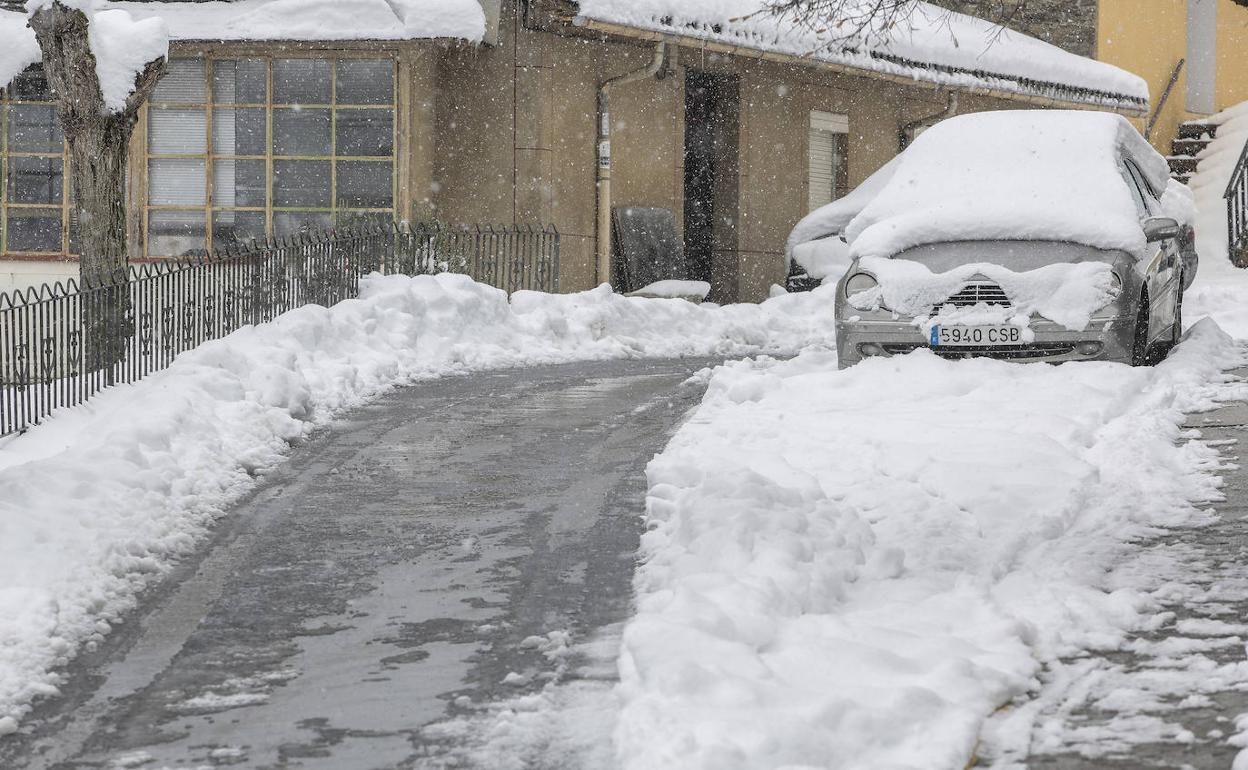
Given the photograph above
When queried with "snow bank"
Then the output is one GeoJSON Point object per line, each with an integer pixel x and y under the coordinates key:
{"type": "Point", "coordinates": [855, 569]}
{"type": "Point", "coordinates": [101, 499]}
{"type": "Point", "coordinates": [1017, 175]}
{"type": "Point", "coordinates": [933, 45]}
{"type": "Point", "coordinates": [1220, 287]}
{"type": "Point", "coordinates": [1067, 294]}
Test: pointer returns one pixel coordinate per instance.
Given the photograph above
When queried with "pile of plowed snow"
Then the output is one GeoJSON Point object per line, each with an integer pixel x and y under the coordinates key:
{"type": "Point", "coordinates": [855, 569]}
{"type": "Point", "coordinates": [103, 497]}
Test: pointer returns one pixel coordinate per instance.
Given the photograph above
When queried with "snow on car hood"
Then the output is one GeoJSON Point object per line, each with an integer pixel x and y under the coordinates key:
{"type": "Point", "coordinates": [1067, 294]}
{"type": "Point", "coordinates": [1012, 175]}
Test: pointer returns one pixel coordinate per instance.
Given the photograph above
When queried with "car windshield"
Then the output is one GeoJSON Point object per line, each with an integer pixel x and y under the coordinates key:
{"type": "Point", "coordinates": [1018, 256]}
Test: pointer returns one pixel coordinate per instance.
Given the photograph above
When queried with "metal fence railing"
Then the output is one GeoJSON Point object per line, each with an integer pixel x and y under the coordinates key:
{"type": "Point", "coordinates": [61, 344]}
{"type": "Point", "coordinates": [1237, 211]}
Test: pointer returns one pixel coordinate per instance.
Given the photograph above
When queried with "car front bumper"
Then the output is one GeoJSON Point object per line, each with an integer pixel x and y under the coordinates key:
{"type": "Point", "coordinates": [1105, 339]}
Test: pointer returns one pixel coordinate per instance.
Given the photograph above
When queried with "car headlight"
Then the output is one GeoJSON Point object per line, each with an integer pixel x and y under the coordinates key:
{"type": "Point", "coordinates": [1117, 281]}
{"type": "Point", "coordinates": [858, 283]}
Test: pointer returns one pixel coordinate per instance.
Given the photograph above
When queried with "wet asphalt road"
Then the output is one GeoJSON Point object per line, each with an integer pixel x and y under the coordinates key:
{"type": "Point", "coordinates": [383, 579]}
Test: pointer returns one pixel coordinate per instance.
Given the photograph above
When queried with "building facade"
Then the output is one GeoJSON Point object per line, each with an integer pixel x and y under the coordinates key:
{"type": "Point", "coordinates": [736, 134]}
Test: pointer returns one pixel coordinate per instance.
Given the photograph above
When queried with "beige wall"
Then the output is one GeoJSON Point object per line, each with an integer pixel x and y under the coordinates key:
{"type": "Point", "coordinates": [23, 274]}
{"type": "Point", "coordinates": [516, 138]}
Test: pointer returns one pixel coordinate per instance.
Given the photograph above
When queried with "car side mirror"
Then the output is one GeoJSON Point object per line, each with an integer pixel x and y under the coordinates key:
{"type": "Point", "coordinates": [1160, 229]}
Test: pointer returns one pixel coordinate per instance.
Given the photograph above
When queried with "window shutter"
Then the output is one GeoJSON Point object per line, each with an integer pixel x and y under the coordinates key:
{"type": "Point", "coordinates": [825, 158]}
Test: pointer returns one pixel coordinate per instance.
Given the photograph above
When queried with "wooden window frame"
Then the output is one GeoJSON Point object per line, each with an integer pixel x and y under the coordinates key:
{"type": "Point", "coordinates": [6, 155]}
{"type": "Point", "coordinates": [210, 157]}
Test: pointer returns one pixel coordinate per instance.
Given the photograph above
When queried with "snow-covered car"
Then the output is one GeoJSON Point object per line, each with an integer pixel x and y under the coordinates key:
{"type": "Point", "coordinates": [1038, 235]}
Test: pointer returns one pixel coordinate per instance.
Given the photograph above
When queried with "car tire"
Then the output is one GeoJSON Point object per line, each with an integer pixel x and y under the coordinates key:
{"type": "Point", "coordinates": [1139, 344]}
{"type": "Point", "coordinates": [1161, 350]}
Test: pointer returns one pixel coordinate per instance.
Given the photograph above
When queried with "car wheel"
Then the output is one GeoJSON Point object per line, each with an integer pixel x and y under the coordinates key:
{"type": "Point", "coordinates": [1139, 346]}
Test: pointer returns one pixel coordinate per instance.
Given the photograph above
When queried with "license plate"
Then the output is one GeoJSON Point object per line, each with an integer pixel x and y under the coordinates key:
{"type": "Point", "coordinates": [975, 336]}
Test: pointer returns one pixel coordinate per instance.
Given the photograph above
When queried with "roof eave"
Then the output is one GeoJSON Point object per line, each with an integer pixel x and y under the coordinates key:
{"type": "Point", "coordinates": [1119, 103]}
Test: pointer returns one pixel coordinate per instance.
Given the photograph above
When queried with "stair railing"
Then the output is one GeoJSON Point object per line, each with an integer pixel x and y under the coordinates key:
{"type": "Point", "coordinates": [1165, 97]}
{"type": "Point", "coordinates": [1237, 211]}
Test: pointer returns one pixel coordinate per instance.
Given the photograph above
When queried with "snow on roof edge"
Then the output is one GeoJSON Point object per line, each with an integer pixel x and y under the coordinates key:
{"type": "Point", "coordinates": [734, 26]}
{"type": "Point", "coordinates": [321, 21]}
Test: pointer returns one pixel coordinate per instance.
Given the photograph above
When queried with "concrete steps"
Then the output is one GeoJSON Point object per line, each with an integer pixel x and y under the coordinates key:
{"type": "Point", "coordinates": [1194, 136]}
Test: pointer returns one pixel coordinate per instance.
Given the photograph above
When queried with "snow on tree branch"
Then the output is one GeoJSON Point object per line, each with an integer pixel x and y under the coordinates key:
{"type": "Point", "coordinates": [127, 52]}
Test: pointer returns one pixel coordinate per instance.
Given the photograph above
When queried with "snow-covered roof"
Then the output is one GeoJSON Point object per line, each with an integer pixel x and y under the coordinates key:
{"type": "Point", "coordinates": [1049, 175]}
{"type": "Point", "coordinates": [277, 20]}
{"type": "Point", "coordinates": [933, 46]}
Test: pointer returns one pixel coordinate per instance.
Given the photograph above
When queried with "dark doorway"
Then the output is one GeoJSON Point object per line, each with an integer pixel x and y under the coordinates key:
{"type": "Point", "coordinates": [711, 139]}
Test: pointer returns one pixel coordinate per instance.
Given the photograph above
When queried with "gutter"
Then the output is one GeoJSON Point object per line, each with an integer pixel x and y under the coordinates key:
{"type": "Point", "coordinates": [906, 134]}
{"type": "Point", "coordinates": [656, 69]}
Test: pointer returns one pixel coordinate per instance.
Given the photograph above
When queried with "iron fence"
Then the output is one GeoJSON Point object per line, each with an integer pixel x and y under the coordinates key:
{"type": "Point", "coordinates": [61, 344]}
{"type": "Point", "coordinates": [1237, 211]}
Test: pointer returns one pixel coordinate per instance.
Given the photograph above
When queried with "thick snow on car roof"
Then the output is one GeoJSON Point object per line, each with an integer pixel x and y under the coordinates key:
{"type": "Point", "coordinates": [1046, 175]}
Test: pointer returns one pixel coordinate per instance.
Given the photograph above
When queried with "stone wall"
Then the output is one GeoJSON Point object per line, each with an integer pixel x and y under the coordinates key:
{"type": "Point", "coordinates": [1069, 24]}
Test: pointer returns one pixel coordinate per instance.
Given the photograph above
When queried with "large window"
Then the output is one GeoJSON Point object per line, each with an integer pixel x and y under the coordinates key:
{"type": "Point", "coordinates": [245, 148]}
{"type": "Point", "coordinates": [828, 147]}
{"type": "Point", "coordinates": [34, 170]}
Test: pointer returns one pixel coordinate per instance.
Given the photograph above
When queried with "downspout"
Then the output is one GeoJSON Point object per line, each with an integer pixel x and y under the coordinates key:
{"type": "Point", "coordinates": [904, 136]}
{"type": "Point", "coordinates": [656, 69]}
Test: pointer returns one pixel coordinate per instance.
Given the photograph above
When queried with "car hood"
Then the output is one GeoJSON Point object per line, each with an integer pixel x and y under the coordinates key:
{"type": "Point", "coordinates": [1019, 256]}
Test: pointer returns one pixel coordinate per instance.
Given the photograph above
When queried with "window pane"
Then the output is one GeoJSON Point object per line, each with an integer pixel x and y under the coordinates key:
{"type": "Point", "coordinates": [239, 82]}
{"type": "Point", "coordinates": [34, 128]}
{"type": "Point", "coordinates": [176, 132]}
{"type": "Point", "coordinates": [365, 132]}
{"type": "Point", "coordinates": [288, 223]}
{"type": "Point", "coordinates": [238, 131]}
{"type": "Point", "coordinates": [301, 132]}
{"type": "Point", "coordinates": [184, 81]}
{"type": "Point", "coordinates": [30, 86]}
{"type": "Point", "coordinates": [34, 230]}
{"type": "Point", "coordinates": [176, 182]}
{"type": "Point", "coordinates": [365, 184]}
{"type": "Point", "coordinates": [301, 183]}
{"type": "Point", "coordinates": [177, 234]}
{"type": "Point", "coordinates": [231, 226]}
{"type": "Point", "coordinates": [365, 81]}
{"type": "Point", "coordinates": [301, 81]}
{"type": "Point", "coordinates": [238, 183]}
{"type": "Point", "coordinates": [36, 180]}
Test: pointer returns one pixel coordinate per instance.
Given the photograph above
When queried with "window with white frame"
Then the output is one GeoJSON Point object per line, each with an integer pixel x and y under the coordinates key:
{"type": "Point", "coordinates": [827, 151]}
{"type": "Point", "coordinates": [35, 169]}
{"type": "Point", "coordinates": [248, 148]}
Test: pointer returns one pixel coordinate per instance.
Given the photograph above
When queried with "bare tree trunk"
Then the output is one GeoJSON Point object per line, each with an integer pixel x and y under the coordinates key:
{"type": "Point", "coordinates": [99, 146]}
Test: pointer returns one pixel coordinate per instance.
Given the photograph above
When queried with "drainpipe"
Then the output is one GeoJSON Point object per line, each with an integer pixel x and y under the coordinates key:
{"type": "Point", "coordinates": [656, 69]}
{"type": "Point", "coordinates": [907, 131]}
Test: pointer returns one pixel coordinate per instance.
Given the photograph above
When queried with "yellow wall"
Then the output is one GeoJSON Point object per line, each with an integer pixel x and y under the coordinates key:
{"type": "Point", "coordinates": [1148, 37]}
{"type": "Point", "coordinates": [1232, 54]}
